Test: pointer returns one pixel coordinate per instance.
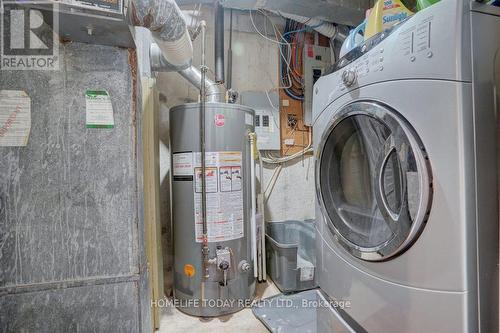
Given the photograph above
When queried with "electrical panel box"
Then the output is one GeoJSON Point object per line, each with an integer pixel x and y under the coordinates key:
{"type": "Point", "coordinates": [267, 122]}
{"type": "Point", "coordinates": [102, 22]}
{"type": "Point", "coordinates": [316, 59]}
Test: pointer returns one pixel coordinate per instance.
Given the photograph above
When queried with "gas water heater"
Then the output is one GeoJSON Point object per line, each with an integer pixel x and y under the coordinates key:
{"type": "Point", "coordinates": [222, 282]}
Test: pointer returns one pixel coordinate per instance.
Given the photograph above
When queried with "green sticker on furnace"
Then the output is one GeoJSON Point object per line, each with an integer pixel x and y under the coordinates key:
{"type": "Point", "coordinates": [99, 110]}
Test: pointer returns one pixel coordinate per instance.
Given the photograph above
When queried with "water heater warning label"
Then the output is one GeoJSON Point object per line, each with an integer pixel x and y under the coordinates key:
{"type": "Point", "coordinates": [224, 179]}
{"type": "Point", "coordinates": [182, 164]}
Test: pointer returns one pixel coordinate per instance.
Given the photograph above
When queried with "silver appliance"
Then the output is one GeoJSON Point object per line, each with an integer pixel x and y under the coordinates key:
{"type": "Point", "coordinates": [406, 175]}
{"type": "Point", "coordinates": [230, 281]}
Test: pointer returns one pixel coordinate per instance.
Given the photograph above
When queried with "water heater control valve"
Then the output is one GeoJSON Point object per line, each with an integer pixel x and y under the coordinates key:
{"type": "Point", "coordinates": [224, 265]}
{"type": "Point", "coordinates": [223, 258]}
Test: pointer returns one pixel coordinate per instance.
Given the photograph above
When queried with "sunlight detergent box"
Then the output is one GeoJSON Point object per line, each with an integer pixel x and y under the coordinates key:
{"type": "Point", "coordinates": [384, 15]}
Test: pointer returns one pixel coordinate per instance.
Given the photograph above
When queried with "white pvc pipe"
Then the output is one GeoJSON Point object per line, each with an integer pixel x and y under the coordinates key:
{"type": "Point", "coordinates": [253, 222]}
{"type": "Point", "coordinates": [263, 241]}
{"type": "Point", "coordinates": [325, 28]}
{"type": "Point", "coordinates": [262, 203]}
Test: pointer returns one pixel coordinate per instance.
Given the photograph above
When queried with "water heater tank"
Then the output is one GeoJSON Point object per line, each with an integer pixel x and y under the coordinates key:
{"type": "Point", "coordinates": [230, 283]}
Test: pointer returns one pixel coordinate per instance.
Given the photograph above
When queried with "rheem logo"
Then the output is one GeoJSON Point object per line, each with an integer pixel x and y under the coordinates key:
{"type": "Point", "coordinates": [29, 38]}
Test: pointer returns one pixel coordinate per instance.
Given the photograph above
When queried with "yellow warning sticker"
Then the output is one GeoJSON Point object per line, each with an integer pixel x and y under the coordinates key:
{"type": "Point", "coordinates": [189, 270]}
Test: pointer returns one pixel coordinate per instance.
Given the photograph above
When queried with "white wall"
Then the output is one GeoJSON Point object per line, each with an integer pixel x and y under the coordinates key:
{"type": "Point", "coordinates": [293, 196]}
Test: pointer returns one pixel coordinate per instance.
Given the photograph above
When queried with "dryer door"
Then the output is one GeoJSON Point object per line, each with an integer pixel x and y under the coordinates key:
{"type": "Point", "coordinates": [373, 181]}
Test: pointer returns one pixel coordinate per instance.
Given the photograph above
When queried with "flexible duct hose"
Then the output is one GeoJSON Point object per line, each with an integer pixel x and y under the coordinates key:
{"type": "Point", "coordinates": [169, 29]}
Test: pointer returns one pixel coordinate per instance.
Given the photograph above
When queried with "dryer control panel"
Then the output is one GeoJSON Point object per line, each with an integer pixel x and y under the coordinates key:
{"type": "Point", "coordinates": [361, 50]}
{"type": "Point", "coordinates": [430, 45]}
{"type": "Point", "coordinates": [369, 63]}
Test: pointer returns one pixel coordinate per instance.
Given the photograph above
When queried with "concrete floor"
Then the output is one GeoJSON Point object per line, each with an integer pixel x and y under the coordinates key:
{"type": "Point", "coordinates": [174, 321]}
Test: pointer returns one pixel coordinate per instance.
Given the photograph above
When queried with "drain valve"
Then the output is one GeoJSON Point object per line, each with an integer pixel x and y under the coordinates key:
{"type": "Point", "coordinates": [244, 266]}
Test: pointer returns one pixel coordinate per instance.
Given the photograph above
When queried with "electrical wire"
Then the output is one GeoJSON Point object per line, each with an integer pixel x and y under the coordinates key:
{"type": "Point", "coordinates": [275, 109]}
{"type": "Point", "coordinates": [293, 75]}
{"type": "Point", "coordinates": [286, 159]}
{"type": "Point", "coordinates": [272, 183]}
{"type": "Point", "coordinates": [260, 33]}
{"type": "Point", "coordinates": [280, 160]}
{"type": "Point", "coordinates": [290, 79]}
{"type": "Point", "coordinates": [278, 37]}
{"type": "Point", "coordinates": [284, 58]}
{"type": "Point", "coordinates": [306, 28]}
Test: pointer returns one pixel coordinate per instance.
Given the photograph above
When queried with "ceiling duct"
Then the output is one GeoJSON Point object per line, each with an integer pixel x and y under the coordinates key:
{"type": "Point", "coordinates": [173, 50]}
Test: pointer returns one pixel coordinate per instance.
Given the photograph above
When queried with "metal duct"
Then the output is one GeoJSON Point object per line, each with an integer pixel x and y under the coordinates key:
{"type": "Point", "coordinates": [173, 50]}
{"type": "Point", "coordinates": [229, 81]}
{"type": "Point", "coordinates": [215, 92]}
{"type": "Point", "coordinates": [219, 43]}
{"type": "Point", "coordinates": [168, 28]}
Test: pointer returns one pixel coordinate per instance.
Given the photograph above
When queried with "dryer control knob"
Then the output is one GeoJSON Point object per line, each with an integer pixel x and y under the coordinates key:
{"type": "Point", "coordinates": [349, 77]}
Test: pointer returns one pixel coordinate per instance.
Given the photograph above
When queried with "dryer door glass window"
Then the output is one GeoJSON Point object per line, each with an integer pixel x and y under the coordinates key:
{"type": "Point", "coordinates": [374, 182]}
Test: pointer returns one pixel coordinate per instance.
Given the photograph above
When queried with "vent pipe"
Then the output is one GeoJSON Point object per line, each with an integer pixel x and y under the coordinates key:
{"type": "Point", "coordinates": [173, 50]}
{"type": "Point", "coordinates": [219, 43]}
{"type": "Point", "coordinates": [214, 92]}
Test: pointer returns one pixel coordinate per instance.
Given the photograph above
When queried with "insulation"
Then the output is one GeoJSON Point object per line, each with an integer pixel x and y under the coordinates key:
{"type": "Point", "coordinates": [70, 246]}
{"type": "Point", "coordinates": [348, 12]}
{"type": "Point", "coordinates": [168, 27]}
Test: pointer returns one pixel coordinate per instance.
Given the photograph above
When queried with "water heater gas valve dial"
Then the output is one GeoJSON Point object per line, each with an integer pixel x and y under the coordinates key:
{"type": "Point", "coordinates": [349, 77]}
{"type": "Point", "coordinates": [223, 258]}
{"type": "Point", "coordinates": [224, 265]}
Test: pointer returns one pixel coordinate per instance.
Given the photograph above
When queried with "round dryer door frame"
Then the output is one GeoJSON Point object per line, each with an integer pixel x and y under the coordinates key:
{"type": "Point", "coordinates": [405, 151]}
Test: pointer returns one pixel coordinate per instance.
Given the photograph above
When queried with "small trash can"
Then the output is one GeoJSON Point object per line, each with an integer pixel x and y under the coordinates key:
{"type": "Point", "coordinates": [291, 256]}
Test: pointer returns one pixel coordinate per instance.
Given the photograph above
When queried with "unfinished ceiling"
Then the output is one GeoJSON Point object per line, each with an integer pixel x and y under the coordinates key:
{"type": "Point", "coordinates": [349, 12]}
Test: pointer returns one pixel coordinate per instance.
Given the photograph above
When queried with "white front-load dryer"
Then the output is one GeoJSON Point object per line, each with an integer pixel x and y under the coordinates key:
{"type": "Point", "coordinates": [402, 166]}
